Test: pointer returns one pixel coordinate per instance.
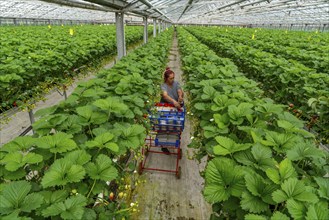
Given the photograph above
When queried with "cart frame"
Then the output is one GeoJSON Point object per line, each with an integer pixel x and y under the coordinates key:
{"type": "Point", "coordinates": [150, 144]}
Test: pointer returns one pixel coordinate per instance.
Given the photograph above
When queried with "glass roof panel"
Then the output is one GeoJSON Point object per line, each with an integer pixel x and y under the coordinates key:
{"type": "Point", "coordinates": [177, 11]}
{"type": "Point", "coordinates": [43, 10]}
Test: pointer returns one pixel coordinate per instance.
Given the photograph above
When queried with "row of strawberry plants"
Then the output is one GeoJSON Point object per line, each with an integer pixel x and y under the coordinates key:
{"type": "Point", "coordinates": [310, 41]}
{"type": "Point", "coordinates": [261, 163]}
{"type": "Point", "coordinates": [34, 59]}
{"type": "Point", "coordinates": [283, 80]}
{"type": "Point", "coordinates": [257, 38]}
{"type": "Point", "coordinates": [62, 171]}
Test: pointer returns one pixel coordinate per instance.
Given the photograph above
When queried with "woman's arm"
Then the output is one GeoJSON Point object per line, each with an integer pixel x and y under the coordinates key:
{"type": "Point", "coordinates": [180, 95]}
{"type": "Point", "coordinates": [170, 100]}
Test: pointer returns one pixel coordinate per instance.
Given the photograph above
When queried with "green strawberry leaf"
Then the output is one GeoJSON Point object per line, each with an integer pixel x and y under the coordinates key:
{"type": "Point", "coordinates": [79, 157]}
{"type": "Point", "coordinates": [111, 105]}
{"type": "Point", "coordinates": [90, 114]}
{"type": "Point", "coordinates": [71, 208]}
{"type": "Point", "coordinates": [281, 142]}
{"type": "Point", "coordinates": [61, 172]}
{"type": "Point", "coordinates": [258, 187]}
{"type": "Point", "coordinates": [262, 156]}
{"type": "Point", "coordinates": [294, 189]}
{"type": "Point", "coordinates": [223, 179]}
{"type": "Point", "coordinates": [304, 150]}
{"type": "Point", "coordinates": [282, 173]}
{"type": "Point", "coordinates": [323, 184]}
{"type": "Point", "coordinates": [103, 141]}
{"type": "Point", "coordinates": [19, 144]}
{"type": "Point", "coordinates": [296, 209]}
{"type": "Point", "coordinates": [208, 93]}
{"type": "Point", "coordinates": [51, 197]}
{"type": "Point", "coordinates": [102, 169]}
{"type": "Point", "coordinates": [318, 211]}
{"type": "Point", "coordinates": [253, 204]}
{"type": "Point", "coordinates": [132, 136]}
{"type": "Point", "coordinates": [228, 146]}
{"type": "Point", "coordinates": [254, 217]}
{"type": "Point", "coordinates": [14, 216]}
{"type": "Point", "coordinates": [16, 160]}
{"type": "Point", "coordinates": [15, 197]}
{"type": "Point", "coordinates": [57, 143]}
{"type": "Point", "coordinates": [279, 216]}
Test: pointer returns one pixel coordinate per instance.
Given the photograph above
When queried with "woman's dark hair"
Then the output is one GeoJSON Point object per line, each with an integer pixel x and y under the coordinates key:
{"type": "Point", "coordinates": [167, 73]}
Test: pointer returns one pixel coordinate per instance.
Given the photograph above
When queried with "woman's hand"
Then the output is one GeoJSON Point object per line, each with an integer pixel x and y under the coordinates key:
{"type": "Point", "coordinates": [176, 104]}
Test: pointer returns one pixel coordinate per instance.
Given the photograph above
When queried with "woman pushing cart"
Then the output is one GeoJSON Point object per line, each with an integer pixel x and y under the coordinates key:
{"type": "Point", "coordinates": [167, 123]}
{"type": "Point", "coordinates": [171, 92]}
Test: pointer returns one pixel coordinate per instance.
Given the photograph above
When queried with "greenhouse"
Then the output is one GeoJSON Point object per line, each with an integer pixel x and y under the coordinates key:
{"type": "Point", "coordinates": [164, 109]}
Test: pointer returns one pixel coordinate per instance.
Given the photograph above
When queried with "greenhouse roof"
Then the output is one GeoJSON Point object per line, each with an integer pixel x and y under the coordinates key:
{"type": "Point", "coordinates": [231, 12]}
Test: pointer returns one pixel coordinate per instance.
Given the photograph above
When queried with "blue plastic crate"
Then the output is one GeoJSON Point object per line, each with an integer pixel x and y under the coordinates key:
{"type": "Point", "coordinates": [167, 123]}
{"type": "Point", "coordinates": [167, 119]}
{"type": "Point", "coordinates": [167, 140]}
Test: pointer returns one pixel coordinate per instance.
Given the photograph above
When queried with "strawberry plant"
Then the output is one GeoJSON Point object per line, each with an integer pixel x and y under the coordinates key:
{"type": "Point", "coordinates": [308, 48]}
{"type": "Point", "coordinates": [74, 166]}
{"type": "Point", "coordinates": [37, 59]}
{"type": "Point", "coordinates": [280, 78]}
{"type": "Point", "coordinates": [261, 163]}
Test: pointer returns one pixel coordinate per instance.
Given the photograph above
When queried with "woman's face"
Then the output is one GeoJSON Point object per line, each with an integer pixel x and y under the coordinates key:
{"type": "Point", "coordinates": [171, 78]}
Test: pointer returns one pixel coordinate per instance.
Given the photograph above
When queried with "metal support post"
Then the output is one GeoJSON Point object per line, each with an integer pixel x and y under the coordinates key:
{"type": "Point", "coordinates": [145, 30]}
{"type": "Point", "coordinates": [31, 118]}
{"type": "Point", "coordinates": [120, 34]}
{"type": "Point", "coordinates": [159, 24]}
{"type": "Point", "coordinates": [64, 92]}
{"type": "Point", "coordinates": [154, 27]}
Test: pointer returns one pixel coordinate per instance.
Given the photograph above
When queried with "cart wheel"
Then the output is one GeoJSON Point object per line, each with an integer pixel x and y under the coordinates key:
{"type": "Point", "coordinates": [179, 172]}
{"type": "Point", "coordinates": [180, 153]}
{"type": "Point", "coordinates": [140, 168]}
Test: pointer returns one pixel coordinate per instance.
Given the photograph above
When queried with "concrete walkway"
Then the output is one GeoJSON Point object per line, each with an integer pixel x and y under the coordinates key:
{"type": "Point", "coordinates": [163, 196]}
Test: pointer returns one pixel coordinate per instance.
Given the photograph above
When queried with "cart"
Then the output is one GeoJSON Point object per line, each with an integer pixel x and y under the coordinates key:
{"type": "Point", "coordinates": [167, 124]}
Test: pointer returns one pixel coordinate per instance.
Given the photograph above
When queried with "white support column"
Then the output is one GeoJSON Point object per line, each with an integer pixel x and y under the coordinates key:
{"type": "Point", "coordinates": [159, 26]}
{"type": "Point", "coordinates": [120, 34]}
{"type": "Point", "coordinates": [145, 30]}
{"type": "Point", "coordinates": [154, 27]}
